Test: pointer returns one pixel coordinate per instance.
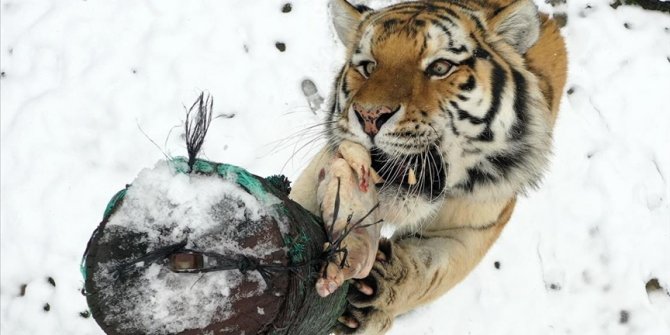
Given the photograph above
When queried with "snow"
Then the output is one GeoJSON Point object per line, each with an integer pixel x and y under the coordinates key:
{"type": "Point", "coordinates": [92, 93]}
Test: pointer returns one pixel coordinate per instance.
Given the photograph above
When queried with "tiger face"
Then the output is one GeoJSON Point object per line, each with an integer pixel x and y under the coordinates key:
{"type": "Point", "coordinates": [440, 94]}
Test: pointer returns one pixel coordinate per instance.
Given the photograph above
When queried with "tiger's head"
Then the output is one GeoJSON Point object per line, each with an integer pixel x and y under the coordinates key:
{"type": "Point", "coordinates": [440, 94]}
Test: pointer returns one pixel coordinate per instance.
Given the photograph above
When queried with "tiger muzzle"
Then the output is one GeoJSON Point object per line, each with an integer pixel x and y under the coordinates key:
{"type": "Point", "coordinates": [372, 118]}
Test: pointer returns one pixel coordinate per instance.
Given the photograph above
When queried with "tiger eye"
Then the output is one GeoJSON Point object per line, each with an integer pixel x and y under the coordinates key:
{"type": "Point", "coordinates": [367, 67]}
{"type": "Point", "coordinates": [439, 68]}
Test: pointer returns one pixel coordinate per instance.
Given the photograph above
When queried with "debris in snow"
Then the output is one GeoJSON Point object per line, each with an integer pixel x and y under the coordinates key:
{"type": "Point", "coordinates": [653, 286]}
{"type": "Point", "coordinates": [225, 116]}
{"type": "Point", "coordinates": [281, 46]}
{"type": "Point", "coordinates": [624, 316]}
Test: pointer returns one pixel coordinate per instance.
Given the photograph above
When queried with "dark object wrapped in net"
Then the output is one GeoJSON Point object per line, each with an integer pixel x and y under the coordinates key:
{"type": "Point", "coordinates": [214, 251]}
{"type": "Point", "coordinates": [198, 247]}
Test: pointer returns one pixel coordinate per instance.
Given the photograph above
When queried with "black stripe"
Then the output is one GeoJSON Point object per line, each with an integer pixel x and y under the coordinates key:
{"type": "Point", "coordinates": [363, 8]}
{"type": "Point", "coordinates": [519, 129]}
{"type": "Point", "coordinates": [450, 12]}
{"type": "Point", "coordinates": [448, 19]}
{"type": "Point", "coordinates": [390, 23]}
{"type": "Point", "coordinates": [402, 11]}
{"type": "Point", "coordinates": [481, 53]}
{"type": "Point", "coordinates": [469, 62]}
{"type": "Point", "coordinates": [463, 115]}
{"type": "Point", "coordinates": [498, 82]}
{"type": "Point", "coordinates": [498, 10]}
{"type": "Point", "coordinates": [458, 50]}
{"type": "Point", "coordinates": [442, 27]}
{"type": "Point", "coordinates": [424, 46]}
{"type": "Point", "coordinates": [468, 85]}
{"type": "Point", "coordinates": [336, 108]}
{"type": "Point", "coordinates": [506, 162]}
{"type": "Point", "coordinates": [479, 24]}
{"type": "Point", "coordinates": [345, 88]}
{"type": "Point", "coordinates": [451, 121]}
{"type": "Point", "coordinates": [476, 177]}
{"type": "Point", "coordinates": [405, 5]}
{"type": "Point", "coordinates": [486, 135]}
{"type": "Point", "coordinates": [345, 85]}
{"type": "Point", "coordinates": [459, 4]}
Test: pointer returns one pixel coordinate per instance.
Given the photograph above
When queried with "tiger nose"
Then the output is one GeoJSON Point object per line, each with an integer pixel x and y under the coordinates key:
{"type": "Point", "coordinates": [372, 118]}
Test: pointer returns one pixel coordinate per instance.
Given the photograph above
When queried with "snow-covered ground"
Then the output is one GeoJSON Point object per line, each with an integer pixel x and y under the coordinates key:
{"type": "Point", "coordinates": [92, 92]}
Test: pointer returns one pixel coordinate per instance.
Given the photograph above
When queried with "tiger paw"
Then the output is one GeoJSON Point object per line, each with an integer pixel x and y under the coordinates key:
{"type": "Point", "coordinates": [360, 162]}
{"type": "Point", "coordinates": [371, 299]}
{"type": "Point", "coordinates": [379, 289]}
{"type": "Point", "coordinates": [348, 210]}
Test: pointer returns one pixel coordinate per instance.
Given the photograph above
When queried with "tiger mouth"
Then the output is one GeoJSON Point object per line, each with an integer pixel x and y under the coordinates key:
{"type": "Point", "coordinates": [417, 173]}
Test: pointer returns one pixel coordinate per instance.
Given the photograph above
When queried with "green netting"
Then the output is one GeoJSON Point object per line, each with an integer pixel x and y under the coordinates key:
{"type": "Point", "coordinates": [113, 202]}
{"type": "Point", "coordinates": [244, 179]}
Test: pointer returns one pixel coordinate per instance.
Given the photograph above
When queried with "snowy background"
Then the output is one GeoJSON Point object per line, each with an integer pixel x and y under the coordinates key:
{"type": "Point", "coordinates": [92, 92]}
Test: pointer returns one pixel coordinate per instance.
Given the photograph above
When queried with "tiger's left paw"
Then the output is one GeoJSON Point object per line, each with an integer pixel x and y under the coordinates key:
{"type": "Point", "coordinates": [379, 289]}
{"type": "Point", "coordinates": [373, 298]}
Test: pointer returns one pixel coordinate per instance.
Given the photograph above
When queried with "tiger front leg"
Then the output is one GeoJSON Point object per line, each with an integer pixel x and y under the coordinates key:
{"type": "Point", "coordinates": [414, 270]}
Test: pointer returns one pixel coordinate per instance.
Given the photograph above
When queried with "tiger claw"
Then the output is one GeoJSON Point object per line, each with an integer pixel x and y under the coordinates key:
{"type": "Point", "coordinates": [363, 288]}
{"type": "Point", "coordinates": [349, 322]}
{"type": "Point", "coordinates": [380, 256]}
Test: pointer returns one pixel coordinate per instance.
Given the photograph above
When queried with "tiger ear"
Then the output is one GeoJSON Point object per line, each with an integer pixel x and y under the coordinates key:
{"type": "Point", "coordinates": [346, 18]}
{"type": "Point", "coordinates": [518, 24]}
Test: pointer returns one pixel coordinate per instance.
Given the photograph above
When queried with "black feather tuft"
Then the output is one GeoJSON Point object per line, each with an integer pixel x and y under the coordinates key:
{"type": "Point", "coordinates": [196, 126]}
{"type": "Point", "coordinates": [280, 182]}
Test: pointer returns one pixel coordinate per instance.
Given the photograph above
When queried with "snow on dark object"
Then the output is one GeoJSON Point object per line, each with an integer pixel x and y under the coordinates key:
{"type": "Point", "coordinates": [198, 247]}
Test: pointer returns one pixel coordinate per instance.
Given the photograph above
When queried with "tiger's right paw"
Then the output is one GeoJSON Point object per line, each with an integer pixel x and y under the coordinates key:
{"type": "Point", "coordinates": [347, 204]}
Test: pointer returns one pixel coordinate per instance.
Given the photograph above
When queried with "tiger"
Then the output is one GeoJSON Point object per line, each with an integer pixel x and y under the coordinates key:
{"type": "Point", "coordinates": [455, 103]}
